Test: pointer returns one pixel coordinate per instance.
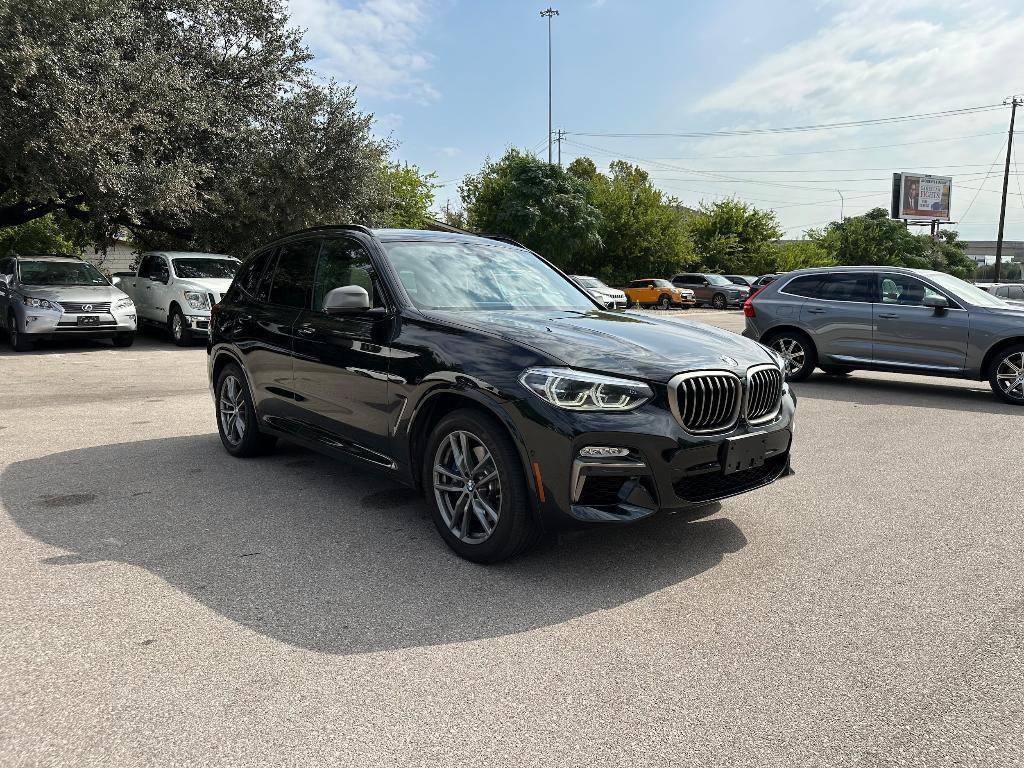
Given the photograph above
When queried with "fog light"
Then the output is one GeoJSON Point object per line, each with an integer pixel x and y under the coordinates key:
{"type": "Point", "coordinates": [603, 452]}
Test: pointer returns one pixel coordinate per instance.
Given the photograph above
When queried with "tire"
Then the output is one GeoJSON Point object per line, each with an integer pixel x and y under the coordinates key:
{"type": "Point", "coordinates": [1006, 375]}
{"type": "Point", "coordinates": [180, 332]}
{"type": "Point", "coordinates": [240, 432]}
{"type": "Point", "coordinates": [798, 350]}
{"type": "Point", "coordinates": [463, 520]}
{"type": "Point", "coordinates": [718, 301]}
{"type": "Point", "coordinates": [665, 301]}
{"type": "Point", "coordinates": [124, 339]}
{"type": "Point", "coordinates": [20, 342]}
{"type": "Point", "coordinates": [836, 370]}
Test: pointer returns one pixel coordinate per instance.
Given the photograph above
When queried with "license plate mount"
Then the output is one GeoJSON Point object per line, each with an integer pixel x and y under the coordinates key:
{"type": "Point", "coordinates": [89, 320]}
{"type": "Point", "coordinates": [747, 452]}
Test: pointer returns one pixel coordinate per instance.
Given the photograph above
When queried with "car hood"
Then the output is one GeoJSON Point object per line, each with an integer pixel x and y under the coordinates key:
{"type": "Point", "coordinates": [214, 284]}
{"type": "Point", "coordinates": [618, 343]}
{"type": "Point", "coordinates": [613, 292]}
{"type": "Point", "coordinates": [1011, 310]}
{"type": "Point", "coordinates": [75, 293]}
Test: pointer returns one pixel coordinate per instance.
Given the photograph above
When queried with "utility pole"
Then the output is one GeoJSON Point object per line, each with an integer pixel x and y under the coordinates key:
{"type": "Point", "coordinates": [842, 204]}
{"type": "Point", "coordinates": [549, 13]}
{"type": "Point", "coordinates": [560, 135]}
{"type": "Point", "coordinates": [1014, 101]}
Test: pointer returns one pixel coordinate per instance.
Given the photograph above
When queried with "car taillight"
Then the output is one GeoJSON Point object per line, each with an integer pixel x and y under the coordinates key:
{"type": "Point", "coordinates": [748, 305]}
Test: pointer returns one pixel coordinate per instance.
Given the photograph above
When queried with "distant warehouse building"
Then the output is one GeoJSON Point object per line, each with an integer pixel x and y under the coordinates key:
{"type": "Point", "coordinates": [984, 251]}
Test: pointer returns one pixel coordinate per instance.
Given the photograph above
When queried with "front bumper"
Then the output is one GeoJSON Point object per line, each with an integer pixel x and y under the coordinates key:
{"type": "Point", "coordinates": [198, 323]}
{"type": "Point", "coordinates": [666, 469]}
{"type": "Point", "coordinates": [48, 324]}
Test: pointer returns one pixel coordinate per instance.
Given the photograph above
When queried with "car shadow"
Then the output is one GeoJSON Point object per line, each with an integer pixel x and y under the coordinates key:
{"type": "Point", "coordinates": [146, 338]}
{"type": "Point", "coordinates": [325, 556]}
{"type": "Point", "coordinates": [867, 388]}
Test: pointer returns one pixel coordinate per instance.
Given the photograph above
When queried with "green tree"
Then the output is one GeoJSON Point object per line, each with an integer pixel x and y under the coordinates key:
{"type": "Point", "coordinates": [871, 239]}
{"type": "Point", "coordinates": [733, 236]}
{"type": "Point", "coordinates": [190, 122]}
{"type": "Point", "coordinates": [535, 203]}
{"type": "Point", "coordinates": [52, 234]}
{"type": "Point", "coordinates": [798, 254]}
{"type": "Point", "coordinates": [948, 253]}
{"type": "Point", "coordinates": [643, 233]}
{"type": "Point", "coordinates": [409, 194]}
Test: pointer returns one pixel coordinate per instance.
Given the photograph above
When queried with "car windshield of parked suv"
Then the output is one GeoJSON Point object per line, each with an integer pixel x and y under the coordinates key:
{"type": "Point", "coordinates": [201, 268]}
{"type": "Point", "coordinates": [60, 273]}
{"type": "Point", "coordinates": [590, 282]}
{"type": "Point", "coordinates": [463, 276]}
{"type": "Point", "coordinates": [718, 280]}
{"type": "Point", "coordinates": [964, 290]}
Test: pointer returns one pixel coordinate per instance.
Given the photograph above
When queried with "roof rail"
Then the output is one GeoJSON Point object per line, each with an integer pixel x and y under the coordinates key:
{"type": "Point", "coordinates": [505, 239]}
{"type": "Point", "coordinates": [321, 228]}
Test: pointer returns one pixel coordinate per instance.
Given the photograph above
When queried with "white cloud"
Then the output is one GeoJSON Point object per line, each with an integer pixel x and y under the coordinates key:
{"type": "Point", "coordinates": [372, 44]}
{"type": "Point", "coordinates": [448, 151]}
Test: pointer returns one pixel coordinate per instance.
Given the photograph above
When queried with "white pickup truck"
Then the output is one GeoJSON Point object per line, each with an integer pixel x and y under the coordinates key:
{"type": "Point", "coordinates": [176, 289]}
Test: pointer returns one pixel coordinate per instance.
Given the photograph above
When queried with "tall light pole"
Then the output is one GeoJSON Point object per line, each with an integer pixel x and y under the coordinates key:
{"type": "Point", "coordinates": [842, 204]}
{"type": "Point", "coordinates": [549, 13]}
{"type": "Point", "coordinates": [1014, 102]}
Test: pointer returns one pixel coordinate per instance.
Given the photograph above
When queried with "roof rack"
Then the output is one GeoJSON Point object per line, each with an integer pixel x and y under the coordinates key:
{"type": "Point", "coordinates": [505, 239]}
{"type": "Point", "coordinates": [321, 228]}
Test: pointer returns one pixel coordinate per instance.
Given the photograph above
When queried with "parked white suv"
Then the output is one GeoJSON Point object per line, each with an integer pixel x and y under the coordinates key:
{"type": "Point", "coordinates": [177, 288]}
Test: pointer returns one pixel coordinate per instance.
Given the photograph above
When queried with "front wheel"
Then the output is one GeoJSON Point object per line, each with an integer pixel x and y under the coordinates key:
{"type": "Point", "coordinates": [718, 301]}
{"type": "Point", "coordinates": [836, 370]}
{"type": "Point", "coordinates": [236, 417]}
{"type": "Point", "coordinates": [797, 352]}
{"type": "Point", "coordinates": [180, 331]}
{"type": "Point", "coordinates": [478, 493]}
{"type": "Point", "coordinates": [665, 302]}
{"type": "Point", "coordinates": [1007, 377]}
{"type": "Point", "coordinates": [20, 342]}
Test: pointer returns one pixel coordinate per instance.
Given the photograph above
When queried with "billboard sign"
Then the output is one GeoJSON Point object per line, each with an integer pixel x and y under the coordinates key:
{"type": "Point", "coordinates": [921, 197]}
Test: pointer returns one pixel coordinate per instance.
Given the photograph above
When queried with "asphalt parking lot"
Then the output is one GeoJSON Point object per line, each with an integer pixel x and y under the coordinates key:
{"type": "Point", "coordinates": [162, 603]}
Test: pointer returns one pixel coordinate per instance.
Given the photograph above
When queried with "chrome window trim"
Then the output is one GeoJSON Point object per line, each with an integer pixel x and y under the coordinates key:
{"type": "Point", "coordinates": [837, 301]}
{"type": "Point", "coordinates": [673, 401]}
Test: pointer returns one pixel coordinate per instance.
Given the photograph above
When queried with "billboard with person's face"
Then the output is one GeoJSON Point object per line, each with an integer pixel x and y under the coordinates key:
{"type": "Point", "coordinates": [920, 196]}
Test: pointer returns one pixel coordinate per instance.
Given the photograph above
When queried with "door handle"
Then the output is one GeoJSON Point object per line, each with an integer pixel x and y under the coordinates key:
{"type": "Point", "coordinates": [306, 330]}
{"type": "Point", "coordinates": [816, 311]}
{"type": "Point", "coordinates": [888, 315]}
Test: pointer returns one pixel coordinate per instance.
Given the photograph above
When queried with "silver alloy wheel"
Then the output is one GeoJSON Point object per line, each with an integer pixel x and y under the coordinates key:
{"type": "Point", "coordinates": [1010, 375]}
{"type": "Point", "coordinates": [176, 326]}
{"type": "Point", "coordinates": [719, 301]}
{"type": "Point", "coordinates": [666, 303]}
{"type": "Point", "coordinates": [467, 487]}
{"type": "Point", "coordinates": [232, 409]}
{"type": "Point", "coordinates": [792, 352]}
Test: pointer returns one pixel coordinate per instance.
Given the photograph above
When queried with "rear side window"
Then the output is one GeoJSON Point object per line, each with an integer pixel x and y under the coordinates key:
{"type": "Point", "coordinates": [808, 286]}
{"type": "Point", "coordinates": [146, 266]}
{"type": "Point", "coordinates": [248, 277]}
{"type": "Point", "coordinates": [292, 283]}
{"type": "Point", "coordinates": [848, 288]}
{"type": "Point", "coordinates": [1016, 292]}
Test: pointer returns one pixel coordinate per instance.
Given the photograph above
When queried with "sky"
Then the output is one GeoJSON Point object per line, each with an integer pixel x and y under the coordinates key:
{"type": "Point", "coordinates": [454, 82]}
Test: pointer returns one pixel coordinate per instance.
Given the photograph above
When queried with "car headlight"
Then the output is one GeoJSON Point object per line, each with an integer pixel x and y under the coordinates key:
{"type": "Point", "coordinates": [197, 299]}
{"type": "Point", "coordinates": [125, 303]}
{"type": "Point", "coordinates": [35, 303]}
{"type": "Point", "coordinates": [580, 391]}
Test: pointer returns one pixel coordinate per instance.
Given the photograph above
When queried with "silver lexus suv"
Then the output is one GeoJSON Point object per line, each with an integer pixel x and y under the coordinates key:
{"type": "Point", "coordinates": [841, 319]}
{"type": "Point", "coordinates": [49, 296]}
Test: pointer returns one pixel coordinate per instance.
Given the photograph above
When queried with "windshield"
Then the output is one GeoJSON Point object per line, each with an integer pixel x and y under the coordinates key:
{"type": "Point", "coordinates": [590, 282]}
{"type": "Point", "coordinates": [475, 276]}
{"type": "Point", "coordinates": [718, 280]}
{"type": "Point", "coordinates": [60, 273]}
{"type": "Point", "coordinates": [200, 268]}
{"type": "Point", "coordinates": [662, 284]}
{"type": "Point", "coordinates": [970, 293]}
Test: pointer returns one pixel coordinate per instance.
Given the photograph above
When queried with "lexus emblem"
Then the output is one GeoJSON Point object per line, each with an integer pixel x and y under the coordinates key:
{"type": "Point", "coordinates": [728, 360]}
{"type": "Point", "coordinates": [87, 307]}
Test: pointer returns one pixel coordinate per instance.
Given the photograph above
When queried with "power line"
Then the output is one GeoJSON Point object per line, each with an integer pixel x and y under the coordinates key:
{"type": "Point", "coordinates": [800, 128]}
{"type": "Point", "coordinates": [983, 182]}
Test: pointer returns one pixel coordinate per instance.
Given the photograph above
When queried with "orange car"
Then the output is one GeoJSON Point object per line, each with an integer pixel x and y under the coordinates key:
{"type": "Point", "coordinates": [654, 292]}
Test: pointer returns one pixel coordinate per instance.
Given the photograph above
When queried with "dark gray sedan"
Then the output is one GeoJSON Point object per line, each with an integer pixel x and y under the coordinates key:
{"type": "Point", "coordinates": [890, 319]}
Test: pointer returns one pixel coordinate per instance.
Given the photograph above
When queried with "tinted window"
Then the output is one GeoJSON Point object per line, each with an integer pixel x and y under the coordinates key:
{"type": "Point", "coordinates": [344, 262]}
{"type": "Point", "coordinates": [904, 290]}
{"type": "Point", "coordinates": [292, 283]}
{"type": "Point", "coordinates": [146, 265]}
{"type": "Point", "coordinates": [7, 267]}
{"type": "Point", "coordinates": [205, 268]}
{"type": "Point", "coordinates": [1016, 292]}
{"type": "Point", "coordinates": [160, 270]}
{"type": "Point", "coordinates": [248, 278]}
{"type": "Point", "coordinates": [848, 288]}
{"type": "Point", "coordinates": [809, 286]}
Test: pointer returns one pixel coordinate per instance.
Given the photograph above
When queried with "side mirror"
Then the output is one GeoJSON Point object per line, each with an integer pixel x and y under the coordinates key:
{"type": "Point", "coordinates": [6, 279]}
{"type": "Point", "coordinates": [347, 299]}
{"type": "Point", "coordinates": [935, 302]}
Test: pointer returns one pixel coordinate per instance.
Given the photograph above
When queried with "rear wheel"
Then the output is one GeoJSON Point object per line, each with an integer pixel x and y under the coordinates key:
{"type": "Point", "coordinates": [718, 301]}
{"type": "Point", "coordinates": [124, 339]}
{"type": "Point", "coordinates": [836, 370]}
{"type": "Point", "coordinates": [629, 303]}
{"type": "Point", "coordinates": [797, 351]}
{"type": "Point", "coordinates": [236, 416]}
{"type": "Point", "coordinates": [1007, 377]}
{"type": "Point", "coordinates": [20, 342]}
{"type": "Point", "coordinates": [180, 331]}
{"type": "Point", "coordinates": [474, 481]}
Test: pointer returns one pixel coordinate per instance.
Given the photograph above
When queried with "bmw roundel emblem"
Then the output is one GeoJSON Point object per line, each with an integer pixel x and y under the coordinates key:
{"type": "Point", "coordinates": [87, 307]}
{"type": "Point", "coordinates": [728, 360]}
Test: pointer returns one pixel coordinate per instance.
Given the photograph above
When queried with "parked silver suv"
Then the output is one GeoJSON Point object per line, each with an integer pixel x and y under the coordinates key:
{"type": "Point", "coordinates": [890, 319]}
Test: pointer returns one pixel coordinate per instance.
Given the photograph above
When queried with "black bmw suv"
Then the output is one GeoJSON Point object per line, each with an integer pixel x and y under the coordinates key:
{"type": "Point", "coordinates": [474, 370]}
